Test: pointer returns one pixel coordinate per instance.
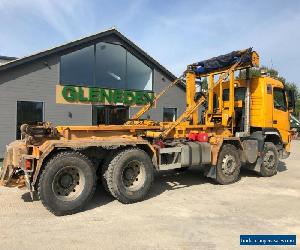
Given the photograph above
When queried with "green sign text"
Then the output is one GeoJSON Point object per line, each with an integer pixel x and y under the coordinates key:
{"type": "Point", "coordinates": [110, 96]}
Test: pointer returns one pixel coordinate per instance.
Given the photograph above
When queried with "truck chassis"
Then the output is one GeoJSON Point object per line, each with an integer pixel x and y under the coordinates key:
{"type": "Point", "coordinates": [62, 164]}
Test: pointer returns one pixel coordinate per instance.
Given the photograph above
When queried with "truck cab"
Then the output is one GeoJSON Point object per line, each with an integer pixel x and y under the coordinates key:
{"type": "Point", "coordinates": [270, 106]}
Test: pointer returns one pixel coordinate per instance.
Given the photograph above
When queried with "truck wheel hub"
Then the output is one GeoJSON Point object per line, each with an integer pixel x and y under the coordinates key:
{"type": "Point", "coordinates": [68, 183]}
{"type": "Point", "coordinates": [66, 180]}
{"type": "Point", "coordinates": [133, 175]}
{"type": "Point", "coordinates": [228, 164]}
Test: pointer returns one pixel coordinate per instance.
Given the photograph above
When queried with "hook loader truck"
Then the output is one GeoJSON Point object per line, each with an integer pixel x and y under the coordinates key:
{"type": "Point", "coordinates": [236, 122]}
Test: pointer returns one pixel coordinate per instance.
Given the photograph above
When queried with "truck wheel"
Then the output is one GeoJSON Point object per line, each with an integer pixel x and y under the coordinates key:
{"type": "Point", "coordinates": [129, 175]}
{"type": "Point", "coordinates": [67, 183]}
{"type": "Point", "coordinates": [269, 160]}
{"type": "Point", "coordinates": [104, 172]}
{"type": "Point", "coordinates": [228, 165]}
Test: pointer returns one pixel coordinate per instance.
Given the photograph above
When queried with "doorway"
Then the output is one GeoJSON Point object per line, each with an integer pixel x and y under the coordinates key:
{"type": "Point", "coordinates": [28, 112]}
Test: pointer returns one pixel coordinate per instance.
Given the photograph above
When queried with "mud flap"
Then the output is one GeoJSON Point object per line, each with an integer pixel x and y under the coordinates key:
{"type": "Point", "coordinates": [28, 185]}
{"type": "Point", "coordinates": [258, 165]}
{"type": "Point", "coordinates": [210, 171]}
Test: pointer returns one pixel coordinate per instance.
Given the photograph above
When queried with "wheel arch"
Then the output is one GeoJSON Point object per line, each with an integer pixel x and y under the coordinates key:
{"type": "Point", "coordinates": [43, 161]}
{"type": "Point", "coordinates": [233, 141]}
{"type": "Point", "coordinates": [268, 135]}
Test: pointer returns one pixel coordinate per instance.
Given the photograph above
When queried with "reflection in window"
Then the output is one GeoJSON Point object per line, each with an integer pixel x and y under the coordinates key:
{"type": "Point", "coordinates": [77, 68]}
{"type": "Point", "coordinates": [279, 99]}
{"type": "Point", "coordinates": [170, 114]}
{"type": "Point", "coordinates": [105, 65]}
{"type": "Point", "coordinates": [139, 75]}
{"type": "Point", "coordinates": [110, 66]}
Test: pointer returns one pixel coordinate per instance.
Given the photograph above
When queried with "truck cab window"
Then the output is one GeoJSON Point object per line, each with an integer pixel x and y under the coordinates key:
{"type": "Point", "coordinates": [239, 94]}
{"type": "Point", "coordinates": [279, 99]}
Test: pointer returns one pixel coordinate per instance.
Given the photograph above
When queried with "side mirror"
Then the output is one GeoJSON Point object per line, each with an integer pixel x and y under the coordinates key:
{"type": "Point", "coordinates": [291, 100]}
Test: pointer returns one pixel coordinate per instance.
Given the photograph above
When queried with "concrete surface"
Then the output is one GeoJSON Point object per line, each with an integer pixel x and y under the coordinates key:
{"type": "Point", "coordinates": [183, 211]}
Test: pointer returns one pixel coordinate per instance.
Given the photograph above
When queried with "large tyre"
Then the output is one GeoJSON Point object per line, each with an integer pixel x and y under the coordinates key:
{"type": "Point", "coordinates": [67, 183]}
{"type": "Point", "coordinates": [129, 175]}
{"type": "Point", "coordinates": [228, 165]}
{"type": "Point", "coordinates": [104, 172]}
{"type": "Point", "coordinates": [269, 160]}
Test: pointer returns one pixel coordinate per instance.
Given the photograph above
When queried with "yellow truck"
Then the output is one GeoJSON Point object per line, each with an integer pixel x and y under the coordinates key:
{"type": "Point", "coordinates": [236, 122]}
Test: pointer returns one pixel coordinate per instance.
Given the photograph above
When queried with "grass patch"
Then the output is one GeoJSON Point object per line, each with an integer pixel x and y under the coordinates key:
{"type": "Point", "coordinates": [1, 163]}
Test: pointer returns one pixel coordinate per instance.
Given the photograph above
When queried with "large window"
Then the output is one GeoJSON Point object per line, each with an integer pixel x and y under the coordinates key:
{"type": "Point", "coordinates": [279, 99]}
{"type": "Point", "coordinates": [170, 114]}
{"type": "Point", "coordinates": [77, 68]}
{"type": "Point", "coordinates": [28, 113]}
{"type": "Point", "coordinates": [110, 66]}
{"type": "Point", "coordinates": [139, 75]}
{"type": "Point", "coordinates": [105, 65]}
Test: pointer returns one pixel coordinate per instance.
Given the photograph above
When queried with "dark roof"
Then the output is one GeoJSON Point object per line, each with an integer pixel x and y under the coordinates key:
{"type": "Point", "coordinates": [84, 40]}
{"type": "Point", "coordinates": [8, 58]}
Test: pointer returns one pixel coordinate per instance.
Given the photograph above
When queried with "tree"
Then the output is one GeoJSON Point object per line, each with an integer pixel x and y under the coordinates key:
{"type": "Point", "coordinates": [204, 83]}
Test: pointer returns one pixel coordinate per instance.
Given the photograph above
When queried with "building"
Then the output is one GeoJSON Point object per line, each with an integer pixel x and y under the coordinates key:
{"type": "Point", "coordinates": [100, 79]}
{"type": "Point", "coordinates": [6, 59]}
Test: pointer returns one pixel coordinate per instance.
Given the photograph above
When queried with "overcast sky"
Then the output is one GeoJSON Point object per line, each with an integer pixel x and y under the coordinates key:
{"type": "Point", "coordinates": [175, 33]}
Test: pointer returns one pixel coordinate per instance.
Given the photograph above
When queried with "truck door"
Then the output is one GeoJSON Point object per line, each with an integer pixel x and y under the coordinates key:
{"type": "Point", "coordinates": [280, 113]}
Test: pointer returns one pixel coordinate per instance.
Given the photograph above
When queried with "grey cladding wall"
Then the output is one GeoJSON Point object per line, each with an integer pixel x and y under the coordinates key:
{"type": "Point", "coordinates": [174, 98]}
{"type": "Point", "coordinates": [35, 82]}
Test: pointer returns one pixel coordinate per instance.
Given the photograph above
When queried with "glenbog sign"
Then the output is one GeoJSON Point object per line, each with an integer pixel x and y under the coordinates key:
{"type": "Point", "coordinates": [94, 95]}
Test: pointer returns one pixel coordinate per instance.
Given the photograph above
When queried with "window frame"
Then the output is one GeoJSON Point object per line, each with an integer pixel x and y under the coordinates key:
{"type": "Point", "coordinates": [118, 43]}
{"type": "Point", "coordinates": [16, 111]}
{"type": "Point", "coordinates": [72, 51]}
{"type": "Point", "coordinates": [106, 113]}
{"type": "Point", "coordinates": [284, 109]}
{"type": "Point", "coordinates": [235, 91]}
{"type": "Point", "coordinates": [143, 61]}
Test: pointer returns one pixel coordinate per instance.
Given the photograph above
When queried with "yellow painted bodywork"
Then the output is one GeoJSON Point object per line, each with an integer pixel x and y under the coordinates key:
{"type": "Point", "coordinates": [262, 111]}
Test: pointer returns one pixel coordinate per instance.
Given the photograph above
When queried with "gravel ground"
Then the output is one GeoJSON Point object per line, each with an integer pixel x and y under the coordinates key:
{"type": "Point", "coordinates": [183, 211]}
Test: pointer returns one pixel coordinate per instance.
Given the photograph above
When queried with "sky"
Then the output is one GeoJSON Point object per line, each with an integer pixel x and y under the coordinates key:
{"type": "Point", "coordinates": [175, 33]}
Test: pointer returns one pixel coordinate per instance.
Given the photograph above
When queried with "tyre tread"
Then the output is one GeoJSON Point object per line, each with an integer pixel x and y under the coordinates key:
{"type": "Point", "coordinates": [220, 179]}
{"type": "Point", "coordinates": [109, 175]}
{"type": "Point", "coordinates": [263, 171]}
{"type": "Point", "coordinates": [44, 172]}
